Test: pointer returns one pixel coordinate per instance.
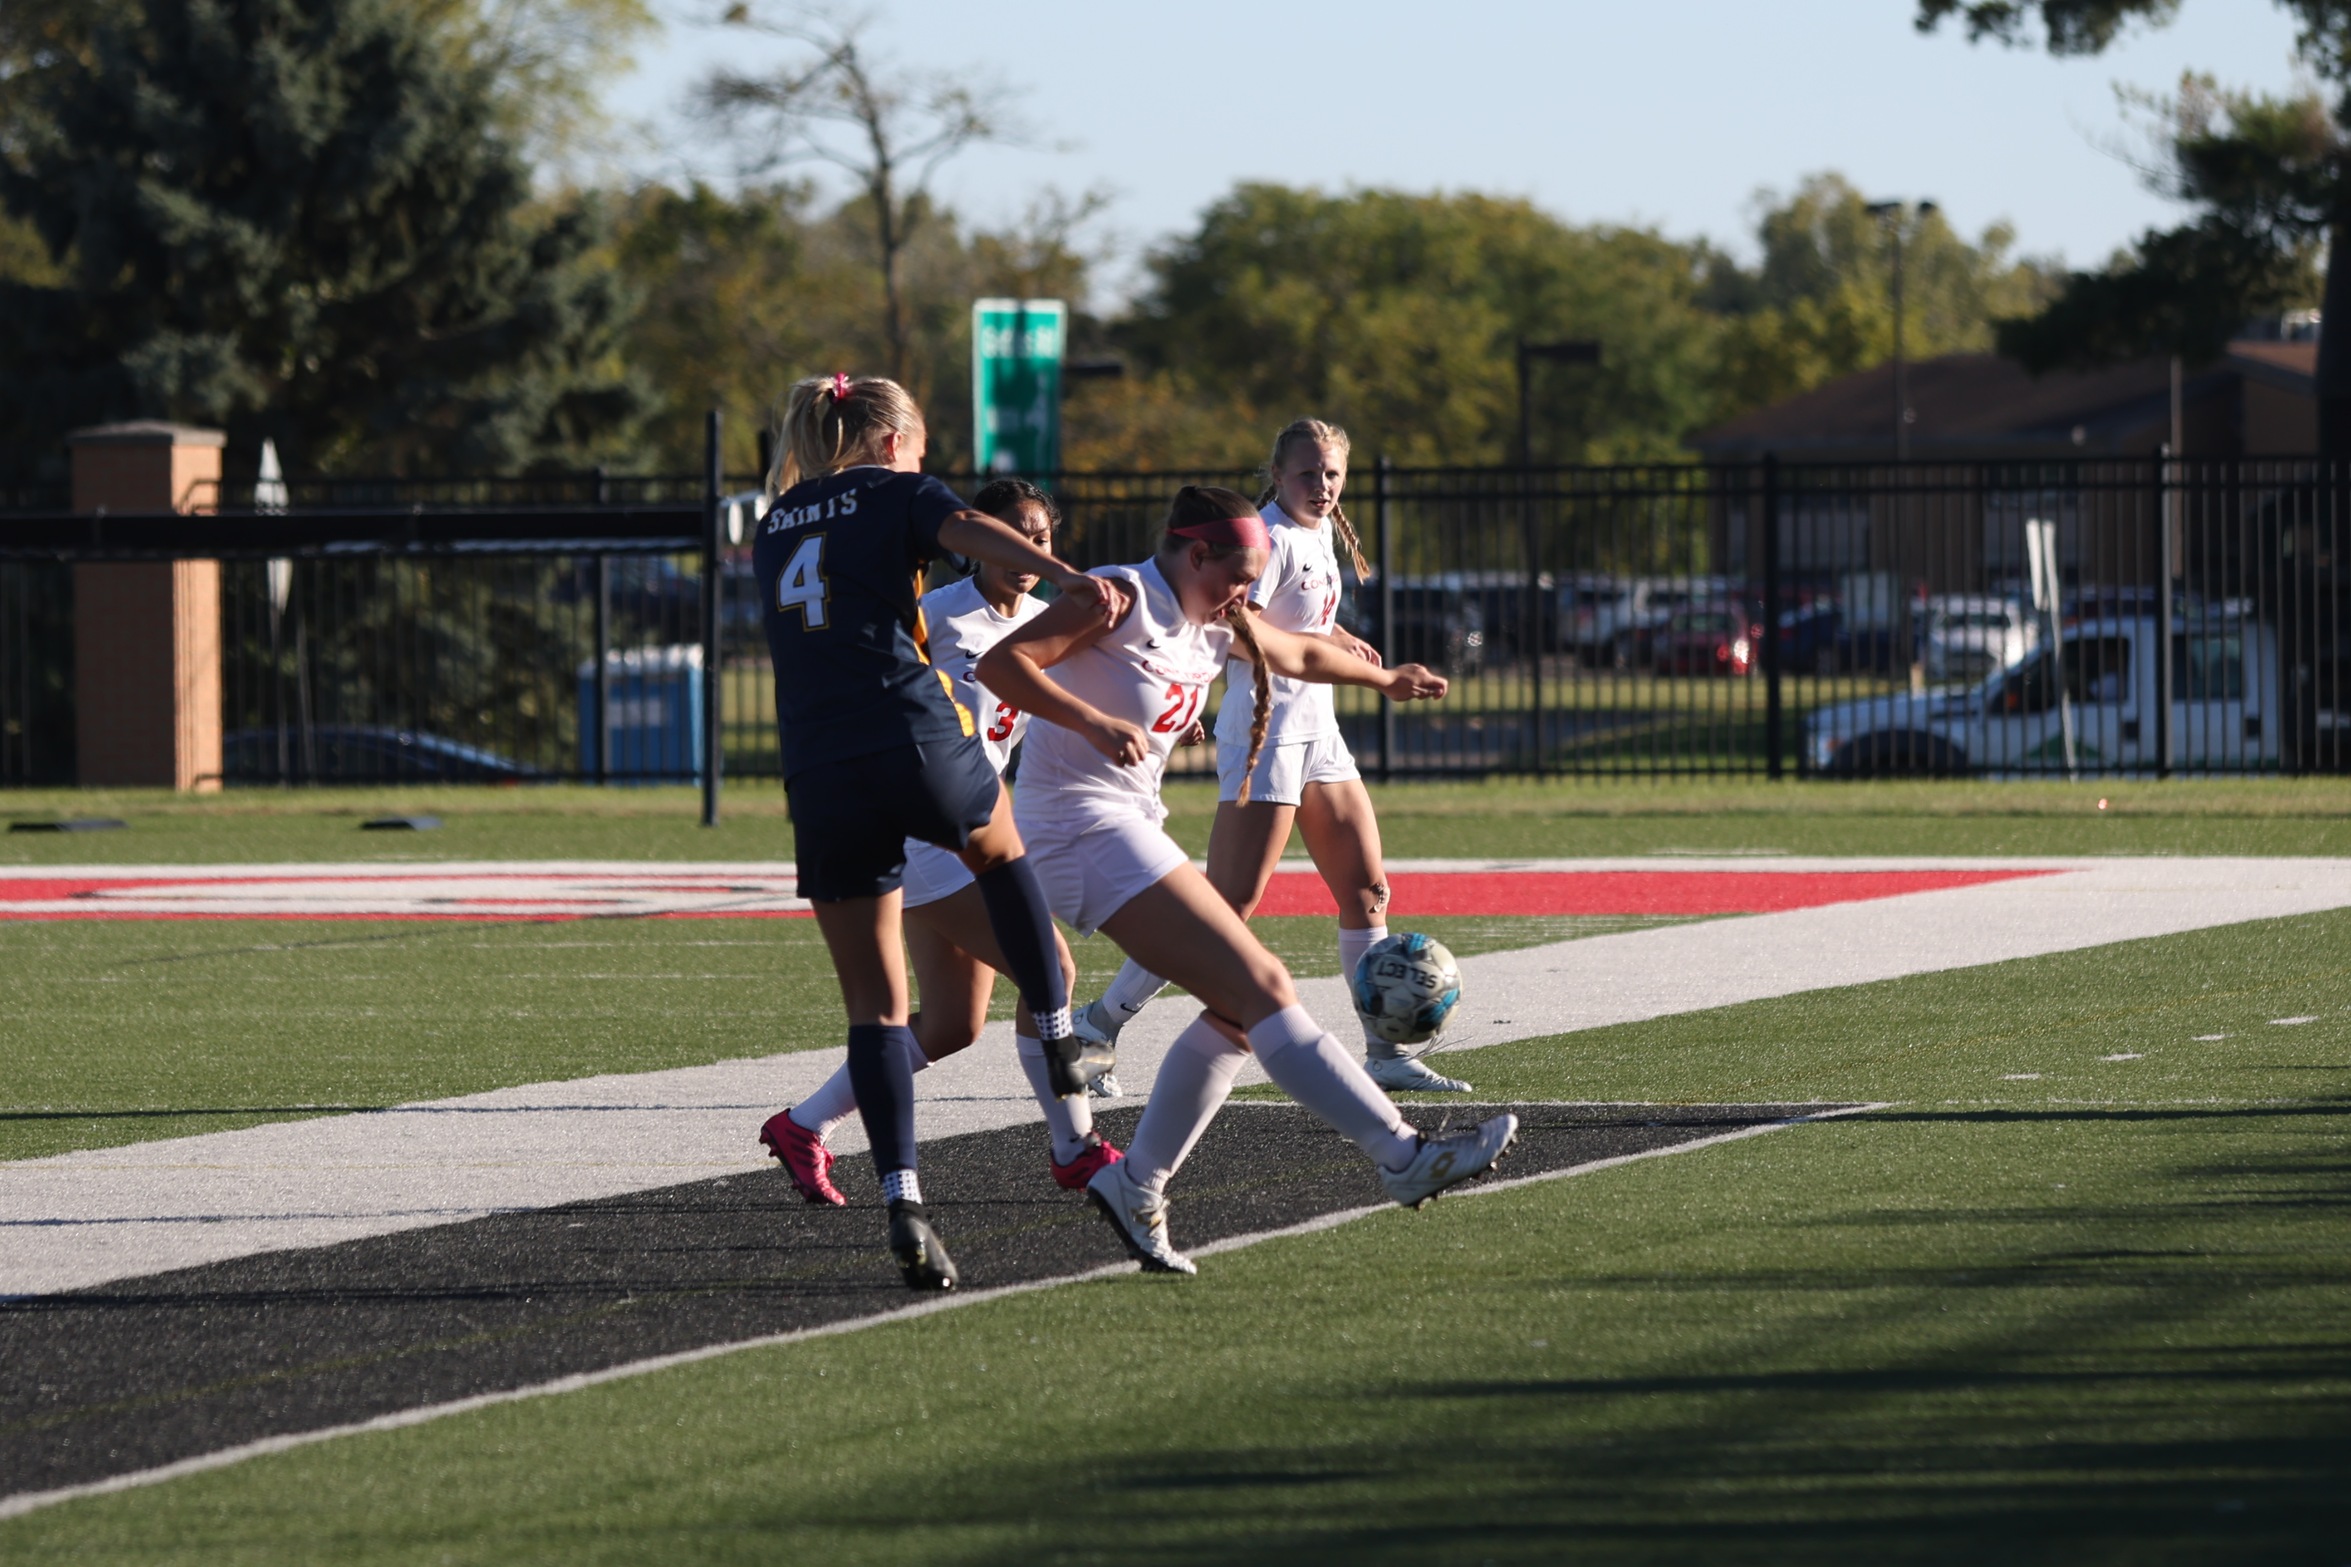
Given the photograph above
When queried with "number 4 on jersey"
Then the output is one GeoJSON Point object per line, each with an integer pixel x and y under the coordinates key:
{"type": "Point", "coordinates": [801, 585]}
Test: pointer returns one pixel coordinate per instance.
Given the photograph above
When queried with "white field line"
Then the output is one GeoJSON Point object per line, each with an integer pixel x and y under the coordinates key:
{"type": "Point", "coordinates": [79, 1219]}
{"type": "Point", "coordinates": [32, 1501]}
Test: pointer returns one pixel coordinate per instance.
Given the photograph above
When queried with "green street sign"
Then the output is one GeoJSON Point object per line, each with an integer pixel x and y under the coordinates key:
{"type": "Point", "coordinates": [1016, 350]}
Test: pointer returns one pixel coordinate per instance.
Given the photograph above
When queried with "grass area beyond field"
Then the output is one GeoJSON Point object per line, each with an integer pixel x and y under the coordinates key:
{"type": "Point", "coordinates": [1500, 817]}
{"type": "Point", "coordinates": [2082, 1295]}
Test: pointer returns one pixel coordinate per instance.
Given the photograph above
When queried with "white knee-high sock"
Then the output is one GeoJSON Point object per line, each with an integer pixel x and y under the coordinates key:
{"type": "Point", "coordinates": [1131, 991]}
{"type": "Point", "coordinates": [1353, 944]}
{"type": "Point", "coordinates": [1070, 1120]}
{"type": "Point", "coordinates": [834, 1103]}
{"type": "Point", "coordinates": [1194, 1078]}
{"type": "Point", "coordinates": [1314, 1069]}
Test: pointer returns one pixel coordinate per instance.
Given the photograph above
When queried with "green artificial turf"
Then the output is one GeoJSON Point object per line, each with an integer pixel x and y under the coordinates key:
{"type": "Point", "coordinates": [2097, 1316]}
{"type": "Point", "coordinates": [116, 1031]}
{"type": "Point", "coordinates": [1494, 818]}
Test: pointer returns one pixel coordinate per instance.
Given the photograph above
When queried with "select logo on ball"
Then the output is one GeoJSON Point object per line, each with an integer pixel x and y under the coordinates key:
{"type": "Point", "coordinates": [1405, 988]}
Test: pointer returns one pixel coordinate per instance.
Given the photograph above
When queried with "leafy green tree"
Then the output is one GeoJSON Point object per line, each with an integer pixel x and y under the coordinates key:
{"type": "Point", "coordinates": [1399, 316]}
{"type": "Point", "coordinates": [301, 219]}
{"type": "Point", "coordinates": [742, 294]}
{"type": "Point", "coordinates": [1819, 303]}
{"type": "Point", "coordinates": [2270, 177]}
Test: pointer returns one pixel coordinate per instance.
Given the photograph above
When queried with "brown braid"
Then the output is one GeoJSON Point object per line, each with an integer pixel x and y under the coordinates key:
{"type": "Point", "coordinates": [1241, 617]}
{"type": "Point", "coordinates": [1322, 434]}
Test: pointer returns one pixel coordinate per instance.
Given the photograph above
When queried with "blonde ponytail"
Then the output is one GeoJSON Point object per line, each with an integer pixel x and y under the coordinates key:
{"type": "Point", "coordinates": [832, 422]}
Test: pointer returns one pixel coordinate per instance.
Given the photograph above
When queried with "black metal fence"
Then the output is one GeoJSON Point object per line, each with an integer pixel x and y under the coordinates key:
{"type": "Point", "coordinates": [1759, 619]}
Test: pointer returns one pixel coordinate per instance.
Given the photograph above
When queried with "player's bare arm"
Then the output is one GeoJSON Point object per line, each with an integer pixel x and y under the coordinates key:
{"type": "Point", "coordinates": [977, 536]}
{"type": "Point", "coordinates": [1338, 636]}
{"type": "Point", "coordinates": [1320, 659]}
{"type": "Point", "coordinates": [1015, 670]}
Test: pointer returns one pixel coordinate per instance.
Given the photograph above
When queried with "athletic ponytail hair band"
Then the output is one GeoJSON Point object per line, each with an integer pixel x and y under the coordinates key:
{"type": "Point", "coordinates": [1248, 532]}
{"type": "Point", "coordinates": [840, 387]}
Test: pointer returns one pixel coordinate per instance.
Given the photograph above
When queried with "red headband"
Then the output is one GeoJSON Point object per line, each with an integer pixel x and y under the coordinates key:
{"type": "Point", "coordinates": [1248, 532]}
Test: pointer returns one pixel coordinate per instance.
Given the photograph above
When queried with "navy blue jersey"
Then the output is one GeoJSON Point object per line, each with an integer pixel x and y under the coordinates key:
{"type": "Point", "coordinates": [839, 560]}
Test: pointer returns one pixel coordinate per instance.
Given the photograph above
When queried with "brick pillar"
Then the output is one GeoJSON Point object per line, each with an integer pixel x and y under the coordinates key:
{"type": "Point", "coordinates": [146, 635]}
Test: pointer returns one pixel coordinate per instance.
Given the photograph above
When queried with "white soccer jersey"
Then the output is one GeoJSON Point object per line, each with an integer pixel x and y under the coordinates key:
{"type": "Point", "coordinates": [1154, 669]}
{"type": "Point", "coordinates": [1299, 591]}
{"type": "Point", "coordinates": [962, 626]}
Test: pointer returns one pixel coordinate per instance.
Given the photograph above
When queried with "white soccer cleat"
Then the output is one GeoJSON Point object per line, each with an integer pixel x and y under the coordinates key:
{"type": "Point", "coordinates": [1405, 1074]}
{"type": "Point", "coordinates": [1097, 1049]}
{"type": "Point", "coordinates": [1140, 1217]}
{"type": "Point", "coordinates": [1450, 1159]}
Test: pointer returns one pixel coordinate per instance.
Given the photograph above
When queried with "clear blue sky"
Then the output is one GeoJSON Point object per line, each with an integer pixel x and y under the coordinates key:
{"type": "Point", "coordinates": [1669, 113]}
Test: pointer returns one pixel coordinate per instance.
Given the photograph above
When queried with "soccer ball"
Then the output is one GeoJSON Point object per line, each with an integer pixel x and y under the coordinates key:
{"type": "Point", "coordinates": [1405, 987]}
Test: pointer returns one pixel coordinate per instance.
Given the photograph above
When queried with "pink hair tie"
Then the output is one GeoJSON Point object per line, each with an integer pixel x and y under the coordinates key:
{"type": "Point", "coordinates": [1248, 532]}
{"type": "Point", "coordinates": [840, 387]}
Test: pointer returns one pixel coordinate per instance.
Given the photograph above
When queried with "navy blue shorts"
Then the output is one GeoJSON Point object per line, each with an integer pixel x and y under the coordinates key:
{"type": "Point", "coordinates": [851, 819]}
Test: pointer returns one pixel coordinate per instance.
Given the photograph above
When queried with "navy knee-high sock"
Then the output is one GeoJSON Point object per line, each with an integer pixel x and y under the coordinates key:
{"type": "Point", "coordinates": [881, 1073]}
{"type": "Point", "coordinates": [1024, 933]}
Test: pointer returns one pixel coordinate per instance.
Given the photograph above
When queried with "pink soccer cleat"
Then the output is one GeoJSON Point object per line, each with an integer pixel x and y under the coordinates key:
{"type": "Point", "coordinates": [805, 1158]}
{"type": "Point", "coordinates": [1100, 1154]}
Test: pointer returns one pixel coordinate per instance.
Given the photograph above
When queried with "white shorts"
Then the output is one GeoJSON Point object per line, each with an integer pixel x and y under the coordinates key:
{"type": "Point", "coordinates": [1283, 771]}
{"type": "Point", "coordinates": [1093, 867]}
{"type": "Point", "coordinates": [933, 873]}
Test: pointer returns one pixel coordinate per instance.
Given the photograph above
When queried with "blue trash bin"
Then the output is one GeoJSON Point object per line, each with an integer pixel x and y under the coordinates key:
{"type": "Point", "coordinates": [656, 715]}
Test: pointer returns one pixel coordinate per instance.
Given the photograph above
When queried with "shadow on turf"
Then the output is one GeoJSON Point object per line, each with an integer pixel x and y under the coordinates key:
{"type": "Point", "coordinates": [2119, 1405]}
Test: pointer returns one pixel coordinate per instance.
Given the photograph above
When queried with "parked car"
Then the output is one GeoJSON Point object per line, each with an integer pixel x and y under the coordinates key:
{"type": "Point", "coordinates": [1512, 610]}
{"type": "Point", "coordinates": [1709, 639]}
{"type": "Point", "coordinates": [1591, 609]}
{"type": "Point", "coordinates": [2226, 709]}
{"type": "Point", "coordinates": [1965, 636]}
{"type": "Point", "coordinates": [1439, 622]}
{"type": "Point", "coordinates": [362, 753]}
{"type": "Point", "coordinates": [1649, 603]}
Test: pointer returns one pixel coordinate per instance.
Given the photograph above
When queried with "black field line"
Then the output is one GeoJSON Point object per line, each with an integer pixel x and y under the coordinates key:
{"type": "Point", "coordinates": [22, 1503]}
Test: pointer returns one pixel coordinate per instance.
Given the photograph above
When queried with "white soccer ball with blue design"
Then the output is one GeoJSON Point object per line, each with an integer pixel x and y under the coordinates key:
{"type": "Point", "coordinates": [1406, 987]}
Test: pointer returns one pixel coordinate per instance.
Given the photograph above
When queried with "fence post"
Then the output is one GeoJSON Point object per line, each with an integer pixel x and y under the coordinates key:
{"type": "Point", "coordinates": [1531, 618]}
{"type": "Point", "coordinates": [603, 569]}
{"type": "Point", "coordinates": [1384, 522]}
{"type": "Point", "coordinates": [1774, 722]}
{"type": "Point", "coordinates": [2166, 498]}
{"type": "Point", "coordinates": [712, 745]}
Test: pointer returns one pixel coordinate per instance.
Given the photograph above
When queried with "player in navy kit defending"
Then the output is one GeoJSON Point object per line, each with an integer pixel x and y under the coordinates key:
{"type": "Point", "coordinates": [876, 749]}
{"type": "Point", "coordinates": [947, 935]}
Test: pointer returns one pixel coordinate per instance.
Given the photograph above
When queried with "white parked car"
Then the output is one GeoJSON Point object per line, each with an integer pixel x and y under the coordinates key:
{"type": "Point", "coordinates": [1968, 635]}
{"type": "Point", "coordinates": [2226, 710]}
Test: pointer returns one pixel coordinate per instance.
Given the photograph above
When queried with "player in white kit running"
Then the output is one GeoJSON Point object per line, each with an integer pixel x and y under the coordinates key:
{"type": "Point", "coordinates": [954, 952]}
{"type": "Point", "coordinates": [1305, 774]}
{"type": "Point", "coordinates": [1088, 807]}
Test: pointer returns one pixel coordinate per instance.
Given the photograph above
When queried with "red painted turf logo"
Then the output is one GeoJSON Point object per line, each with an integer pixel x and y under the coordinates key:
{"type": "Point", "coordinates": [527, 892]}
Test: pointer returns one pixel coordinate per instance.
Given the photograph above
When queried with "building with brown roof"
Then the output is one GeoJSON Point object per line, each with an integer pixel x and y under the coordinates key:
{"type": "Point", "coordinates": [1993, 446]}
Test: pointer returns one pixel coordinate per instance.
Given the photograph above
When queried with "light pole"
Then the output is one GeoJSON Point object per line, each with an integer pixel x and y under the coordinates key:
{"type": "Point", "coordinates": [1572, 351]}
{"type": "Point", "coordinates": [1895, 215]}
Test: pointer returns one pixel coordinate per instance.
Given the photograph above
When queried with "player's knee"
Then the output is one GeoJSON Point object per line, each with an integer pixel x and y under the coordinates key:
{"type": "Point", "coordinates": [1272, 981]}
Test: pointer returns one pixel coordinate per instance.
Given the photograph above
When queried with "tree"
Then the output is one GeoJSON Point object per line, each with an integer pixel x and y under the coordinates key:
{"type": "Point", "coordinates": [888, 131]}
{"type": "Point", "coordinates": [1399, 317]}
{"type": "Point", "coordinates": [301, 219]}
{"type": "Point", "coordinates": [742, 294]}
{"type": "Point", "coordinates": [2272, 177]}
{"type": "Point", "coordinates": [1819, 304]}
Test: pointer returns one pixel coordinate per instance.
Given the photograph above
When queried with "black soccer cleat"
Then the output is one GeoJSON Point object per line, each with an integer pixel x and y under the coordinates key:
{"type": "Point", "coordinates": [918, 1251]}
{"type": "Point", "coordinates": [1065, 1067]}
